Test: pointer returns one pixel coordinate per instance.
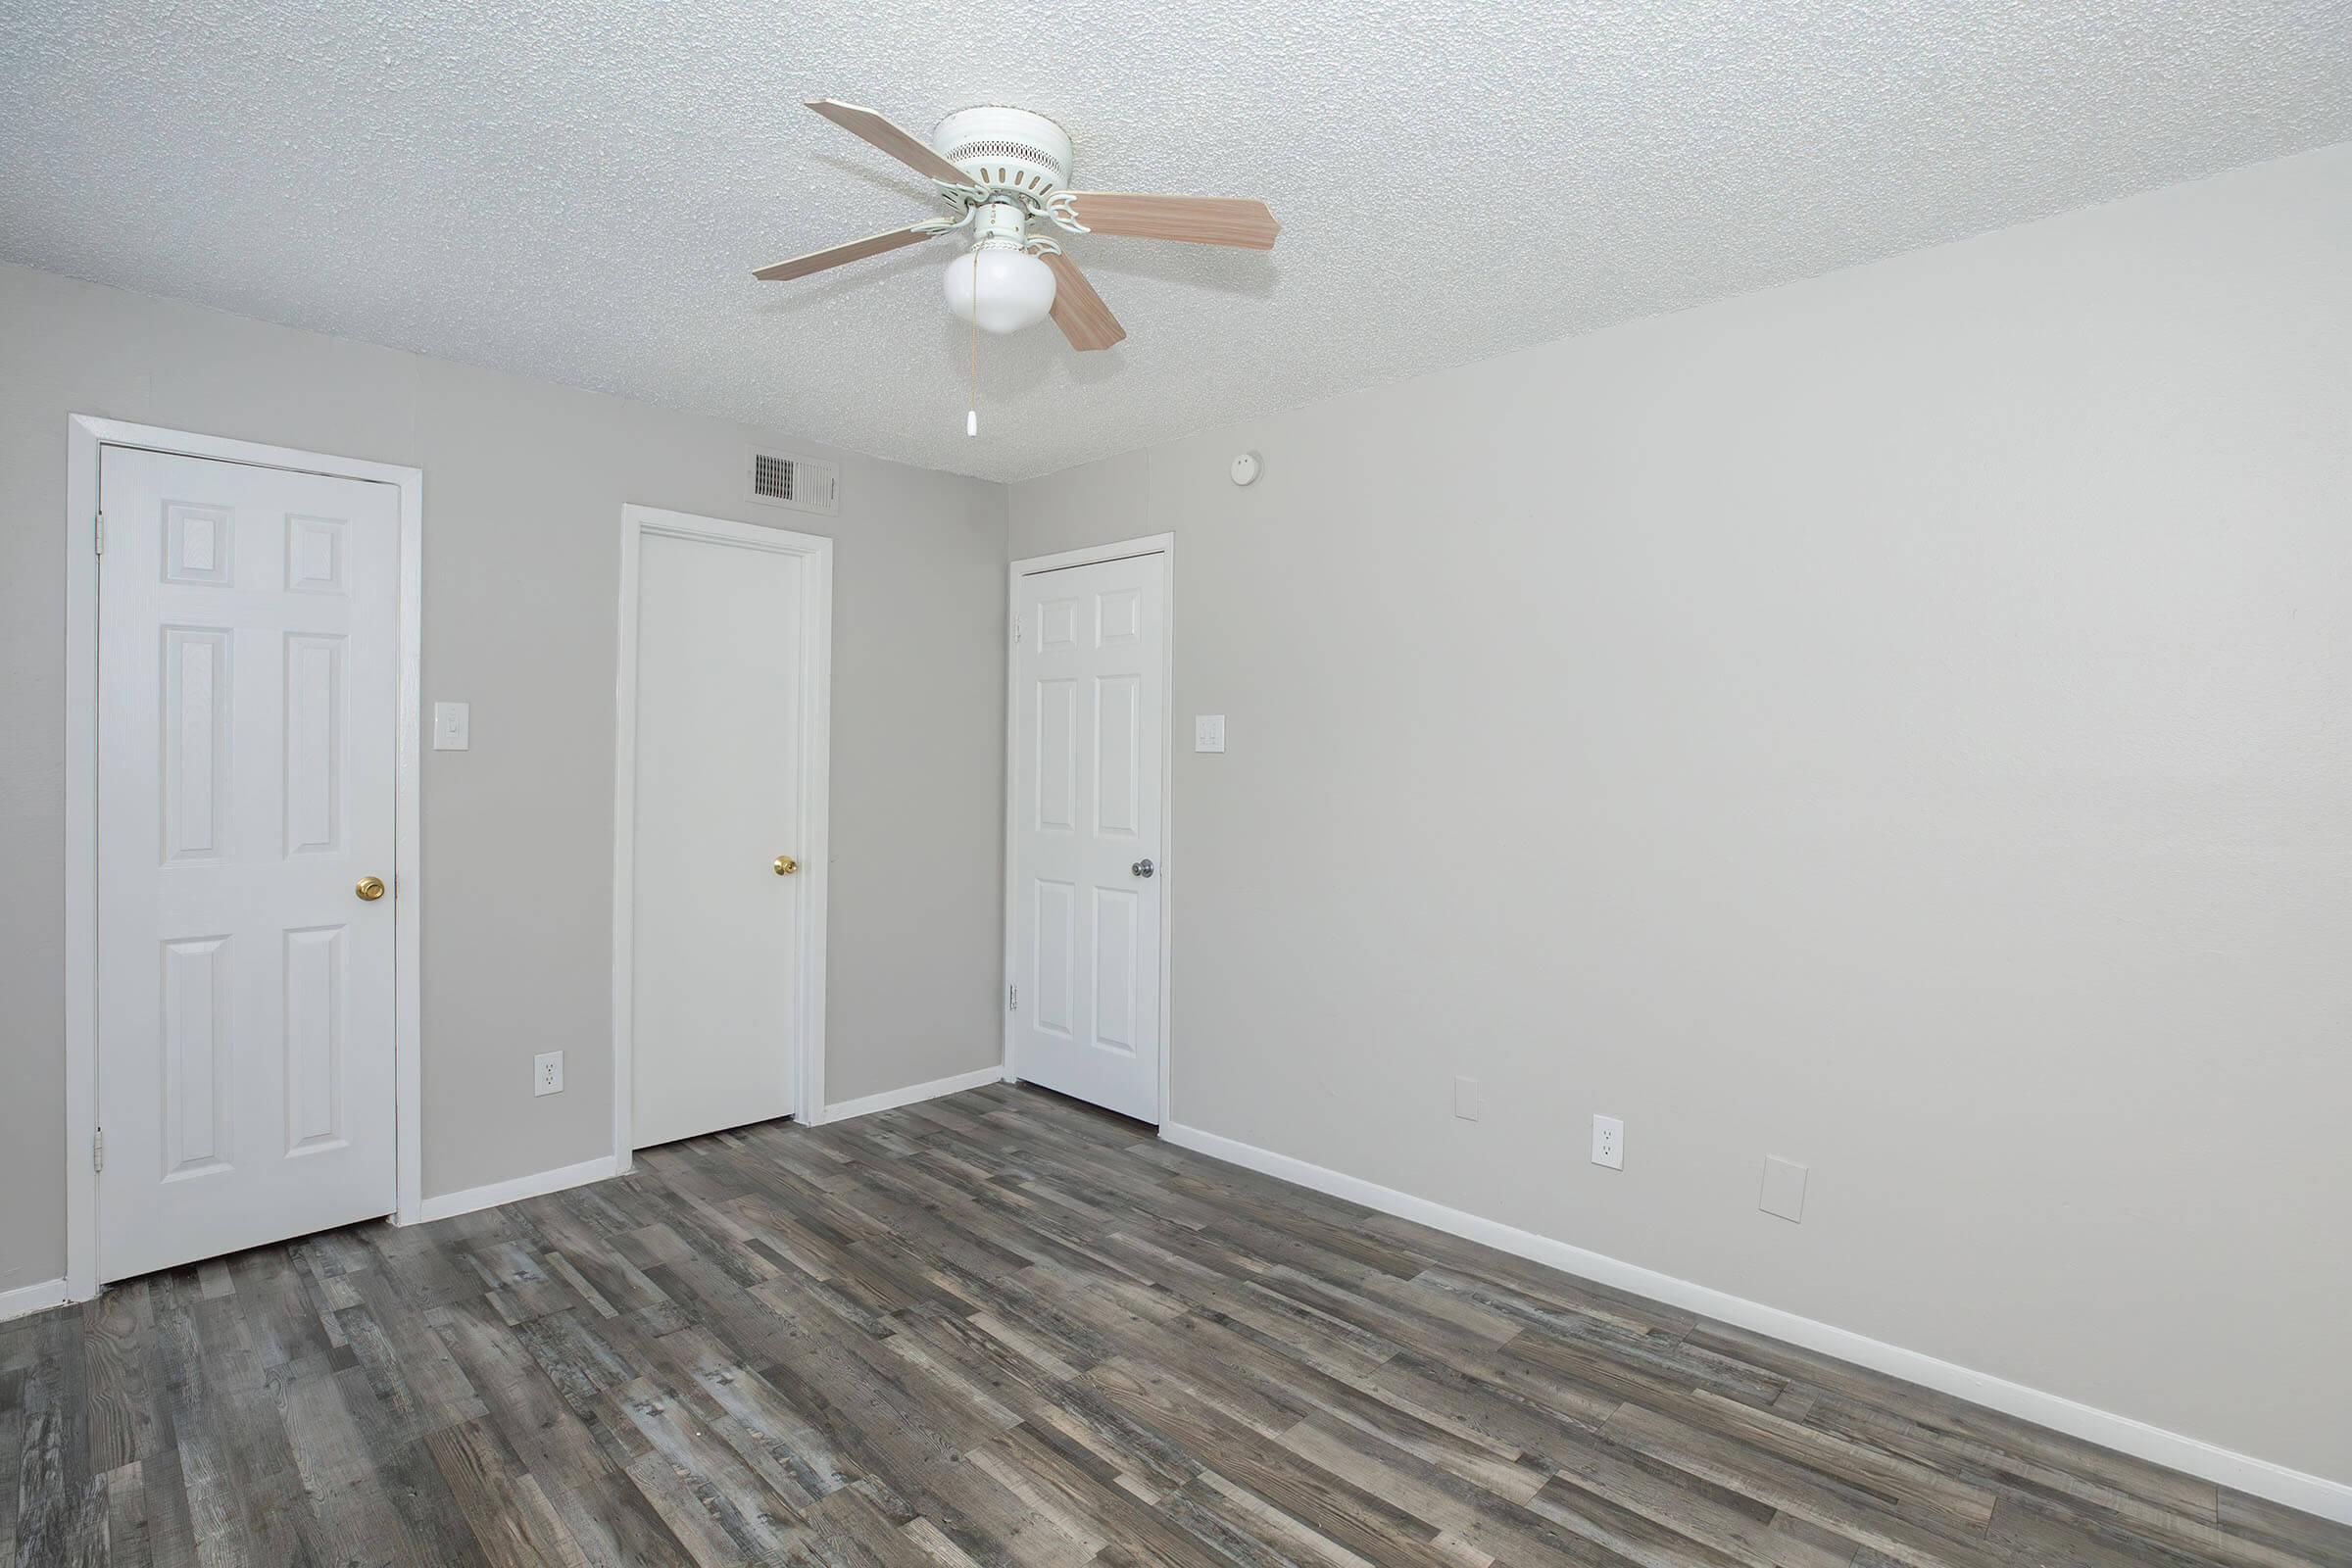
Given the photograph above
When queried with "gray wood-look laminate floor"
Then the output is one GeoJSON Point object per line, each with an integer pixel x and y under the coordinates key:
{"type": "Point", "coordinates": [1004, 1328]}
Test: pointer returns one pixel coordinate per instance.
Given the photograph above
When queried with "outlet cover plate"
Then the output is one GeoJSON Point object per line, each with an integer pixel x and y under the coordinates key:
{"type": "Point", "coordinates": [1783, 1189]}
{"type": "Point", "coordinates": [547, 1073]}
{"type": "Point", "coordinates": [1465, 1098]}
{"type": "Point", "coordinates": [1208, 732]}
{"type": "Point", "coordinates": [1608, 1141]}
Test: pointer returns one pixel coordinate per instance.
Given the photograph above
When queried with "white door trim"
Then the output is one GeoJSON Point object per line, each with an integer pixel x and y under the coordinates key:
{"type": "Point", "coordinates": [1157, 544]}
{"type": "Point", "coordinates": [811, 836]}
{"type": "Point", "coordinates": [85, 435]}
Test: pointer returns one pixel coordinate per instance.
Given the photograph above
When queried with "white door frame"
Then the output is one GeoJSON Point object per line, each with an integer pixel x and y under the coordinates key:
{"type": "Point", "coordinates": [85, 436]}
{"type": "Point", "coordinates": [811, 836]}
{"type": "Point", "coordinates": [1157, 544]}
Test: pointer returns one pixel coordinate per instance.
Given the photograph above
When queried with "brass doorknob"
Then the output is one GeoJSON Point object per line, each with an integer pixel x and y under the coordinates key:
{"type": "Point", "coordinates": [786, 866]}
{"type": "Point", "coordinates": [370, 888]}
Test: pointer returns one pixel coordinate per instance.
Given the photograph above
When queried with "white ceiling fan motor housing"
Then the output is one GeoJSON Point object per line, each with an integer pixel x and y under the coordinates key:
{"type": "Point", "coordinates": [1018, 159]}
{"type": "Point", "coordinates": [1005, 148]}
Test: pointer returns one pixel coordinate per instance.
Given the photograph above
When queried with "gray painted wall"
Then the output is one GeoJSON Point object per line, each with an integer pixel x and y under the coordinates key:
{"type": "Point", "coordinates": [524, 482]}
{"type": "Point", "coordinates": [1898, 722]}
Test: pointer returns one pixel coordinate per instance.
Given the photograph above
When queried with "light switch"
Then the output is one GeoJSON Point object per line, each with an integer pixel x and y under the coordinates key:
{"type": "Point", "coordinates": [1208, 732]}
{"type": "Point", "coordinates": [1783, 1189]}
{"type": "Point", "coordinates": [453, 727]}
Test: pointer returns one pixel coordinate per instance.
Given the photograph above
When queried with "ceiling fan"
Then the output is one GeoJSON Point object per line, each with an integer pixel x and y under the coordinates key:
{"type": "Point", "coordinates": [1002, 173]}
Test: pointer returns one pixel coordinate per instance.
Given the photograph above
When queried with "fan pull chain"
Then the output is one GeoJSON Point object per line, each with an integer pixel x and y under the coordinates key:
{"type": "Point", "coordinates": [971, 417]}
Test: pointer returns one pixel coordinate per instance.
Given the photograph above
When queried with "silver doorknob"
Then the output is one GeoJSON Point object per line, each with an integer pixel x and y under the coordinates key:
{"type": "Point", "coordinates": [1141, 869]}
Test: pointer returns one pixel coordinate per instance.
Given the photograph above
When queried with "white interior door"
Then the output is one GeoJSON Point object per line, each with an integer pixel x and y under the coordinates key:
{"type": "Point", "coordinates": [1086, 832]}
{"type": "Point", "coordinates": [721, 719]}
{"type": "Point", "coordinates": [248, 650]}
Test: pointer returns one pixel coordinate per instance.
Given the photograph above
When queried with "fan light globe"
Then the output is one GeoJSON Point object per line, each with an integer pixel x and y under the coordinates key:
{"type": "Point", "coordinates": [1013, 289]}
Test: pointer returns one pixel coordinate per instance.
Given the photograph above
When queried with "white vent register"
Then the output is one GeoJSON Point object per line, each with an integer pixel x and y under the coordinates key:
{"type": "Point", "coordinates": [781, 479]}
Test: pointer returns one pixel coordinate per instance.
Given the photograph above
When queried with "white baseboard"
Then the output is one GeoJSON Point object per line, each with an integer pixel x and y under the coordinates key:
{"type": "Point", "coordinates": [2330, 1500]}
{"type": "Point", "coordinates": [914, 1094]}
{"type": "Point", "coordinates": [25, 1300]}
{"type": "Point", "coordinates": [537, 1185]}
{"type": "Point", "coordinates": [543, 1181]}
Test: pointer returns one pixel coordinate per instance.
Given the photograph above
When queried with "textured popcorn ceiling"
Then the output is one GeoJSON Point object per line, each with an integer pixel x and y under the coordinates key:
{"type": "Point", "coordinates": [579, 190]}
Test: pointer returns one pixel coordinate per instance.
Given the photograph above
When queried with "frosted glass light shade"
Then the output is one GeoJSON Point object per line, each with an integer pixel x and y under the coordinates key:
{"type": "Point", "coordinates": [1015, 290]}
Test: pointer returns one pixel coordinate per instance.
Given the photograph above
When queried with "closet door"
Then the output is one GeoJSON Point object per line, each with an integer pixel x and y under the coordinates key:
{"type": "Point", "coordinates": [720, 899]}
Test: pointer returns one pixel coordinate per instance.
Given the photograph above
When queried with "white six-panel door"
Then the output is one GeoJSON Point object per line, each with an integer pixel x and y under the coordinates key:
{"type": "Point", "coordinates": [1086, 838]}
{"type": "Point", "coordinates": [248, 648]}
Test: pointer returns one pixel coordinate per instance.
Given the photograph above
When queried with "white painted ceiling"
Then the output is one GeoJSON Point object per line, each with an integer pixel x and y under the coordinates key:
{"type": "Point", "coordinates": [579, 190]}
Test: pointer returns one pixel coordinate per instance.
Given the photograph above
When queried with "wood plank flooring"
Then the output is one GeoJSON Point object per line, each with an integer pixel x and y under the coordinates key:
{"type": "Point", "coordinates": [1004, 1329]}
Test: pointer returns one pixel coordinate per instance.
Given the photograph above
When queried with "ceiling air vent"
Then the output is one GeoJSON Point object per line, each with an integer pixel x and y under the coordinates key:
{"type": "Point", "coordinates": [780, 479]}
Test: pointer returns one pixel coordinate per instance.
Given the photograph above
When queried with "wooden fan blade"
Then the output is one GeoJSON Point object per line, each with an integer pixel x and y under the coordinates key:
{"type": "Point", "coordinates": [907, 148]}
{"type": "Point", "coordinates": [855, 250]}
{"type": "Point", "coordinates": [1202, 220]}
{"type": "Point", "coordinates": [1078, 310]}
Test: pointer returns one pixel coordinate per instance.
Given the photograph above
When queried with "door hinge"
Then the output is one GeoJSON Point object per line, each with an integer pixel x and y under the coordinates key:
{"type": "Point", "coordinates": [101, 534]}
{"type": "Point", "coordinates": [1016, 630]}
{"type": "Point", "coordinates": [98, 1151]}
{"type": "Point", "coordinates": [1012, 999]}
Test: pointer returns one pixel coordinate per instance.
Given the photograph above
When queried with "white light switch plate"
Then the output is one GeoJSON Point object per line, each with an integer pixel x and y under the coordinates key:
{"type": "Point", "coordinates": [1208, 732]}
{"type": "Point", "coordinates": [1608, 1141]}
{"type": "Point", "coordinates": [1783, 1189]}
{"type": "Point", "coordinates": [453, 726]}
{"type": "Point", "coordinates": [1465, 1098]}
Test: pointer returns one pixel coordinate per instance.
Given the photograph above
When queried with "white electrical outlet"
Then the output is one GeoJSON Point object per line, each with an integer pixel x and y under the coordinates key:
{"type": "Point", "coordinates": [1465, 1098]}
{"type": "Point", "coordinates": [1208, 732]}
{"type": "Point", "coordinates": [547, 1073]}
{"type": "Point", "coordinates": [1608, 1141]}
{"type": "Point", "coordinates": [453, 726]}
